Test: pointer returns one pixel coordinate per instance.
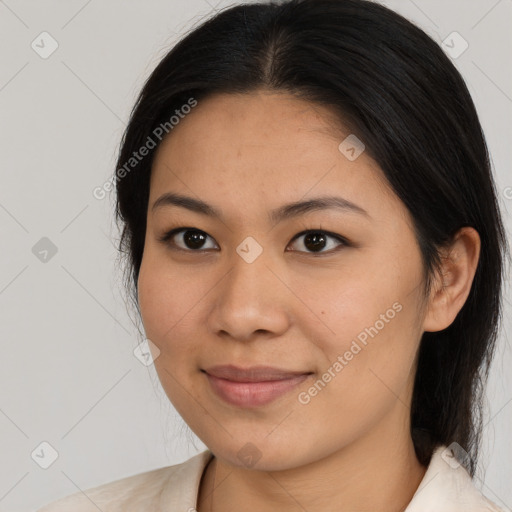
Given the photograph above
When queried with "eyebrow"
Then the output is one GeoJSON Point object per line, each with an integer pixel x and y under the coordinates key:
{"type": "Point", "coordinates": [284, 212]}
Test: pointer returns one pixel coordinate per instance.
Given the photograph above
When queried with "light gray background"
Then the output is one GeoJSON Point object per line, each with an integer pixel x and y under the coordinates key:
{"type": "Point", "coordinates": [68, 375]}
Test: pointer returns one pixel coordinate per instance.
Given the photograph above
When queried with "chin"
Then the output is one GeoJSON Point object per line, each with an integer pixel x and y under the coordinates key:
{"type": "Point", "coordinates": [257, 455]}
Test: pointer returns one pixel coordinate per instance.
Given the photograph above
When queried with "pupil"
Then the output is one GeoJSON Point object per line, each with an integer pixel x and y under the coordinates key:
{"type": "Point", "coordinates": [194, 239]}
{"type": "Point", "coordinates": [314, 241]}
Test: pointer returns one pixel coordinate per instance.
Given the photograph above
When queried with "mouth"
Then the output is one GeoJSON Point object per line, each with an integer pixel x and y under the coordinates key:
{"type": "Point", "coordinates": [252, 387]}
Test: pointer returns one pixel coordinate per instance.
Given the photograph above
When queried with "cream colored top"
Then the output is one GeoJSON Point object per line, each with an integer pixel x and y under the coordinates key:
{"type": "Point", "coordinates": [446, 487]}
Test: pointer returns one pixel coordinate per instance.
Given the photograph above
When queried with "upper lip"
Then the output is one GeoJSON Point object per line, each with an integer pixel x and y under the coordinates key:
{"type": "Point", "coordinates": [252, 374]}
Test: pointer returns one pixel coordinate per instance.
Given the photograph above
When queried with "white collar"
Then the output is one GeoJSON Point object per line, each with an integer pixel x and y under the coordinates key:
{"type": "Point", "coordinates": [448, 487]}
{"type": "Point", "coordinates": [445, 487]}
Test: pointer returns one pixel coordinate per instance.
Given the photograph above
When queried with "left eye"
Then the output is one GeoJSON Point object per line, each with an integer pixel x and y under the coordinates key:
{"type": "Point", "coordinates": [193, 240]}
{"type": "Point", "coordinates": [316, 241]}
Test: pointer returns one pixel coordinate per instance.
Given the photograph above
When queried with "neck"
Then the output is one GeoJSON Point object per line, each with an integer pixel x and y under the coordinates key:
{"type": "Point", "coordinates": [369, 474]}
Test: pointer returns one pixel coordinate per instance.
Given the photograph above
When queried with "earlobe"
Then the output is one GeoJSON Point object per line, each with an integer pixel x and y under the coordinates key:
{"type": "Point", "coordinates": [453, 284]}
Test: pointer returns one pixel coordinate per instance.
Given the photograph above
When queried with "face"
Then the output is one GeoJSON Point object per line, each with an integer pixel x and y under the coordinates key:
{"type": "Point", "coordinates": [329, 296]}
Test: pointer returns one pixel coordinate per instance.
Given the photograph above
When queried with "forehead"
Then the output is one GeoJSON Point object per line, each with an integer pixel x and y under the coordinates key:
{"type": "Point", "coordinates": [269, 147]}
{"type": "Point", "coordinates": [259, 116]}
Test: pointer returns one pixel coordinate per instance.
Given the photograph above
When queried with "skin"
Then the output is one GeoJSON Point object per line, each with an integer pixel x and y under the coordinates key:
{"type": "Point", "coordinates": [350, 446]}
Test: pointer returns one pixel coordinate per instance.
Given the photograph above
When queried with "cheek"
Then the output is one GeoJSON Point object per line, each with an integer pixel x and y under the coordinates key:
{"type": "Point", "coordinates": [373, 316]}
{"type": "Point", "coordinates": [347, 300]}
{"type": "Point", "coordinates": [170, 302]}
{"type": "Point", "coordinates": [163, 299]}
{"type": "Point", "coordinates": [368, 368]}
{"type": "Point", "coordinates": [166, 302]}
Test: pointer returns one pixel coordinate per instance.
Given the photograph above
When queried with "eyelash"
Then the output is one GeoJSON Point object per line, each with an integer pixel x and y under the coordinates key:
{"type": "Point", "coordinates": [166, 238]}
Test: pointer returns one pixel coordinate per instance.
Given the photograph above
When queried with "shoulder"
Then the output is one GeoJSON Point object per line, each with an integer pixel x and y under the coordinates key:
{"type": "Point", "coordinates": [177, 485]}
{"type": "Point", "coordinates": [448, 487]}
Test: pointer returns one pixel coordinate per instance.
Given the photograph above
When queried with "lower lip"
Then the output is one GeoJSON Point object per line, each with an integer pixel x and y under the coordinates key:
{"type": "Point", "coordinates": [253, 394]}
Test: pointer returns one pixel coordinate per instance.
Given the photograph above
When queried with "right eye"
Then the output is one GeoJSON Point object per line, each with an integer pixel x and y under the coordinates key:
{"type": "Point", "coordinates": [185, 239]}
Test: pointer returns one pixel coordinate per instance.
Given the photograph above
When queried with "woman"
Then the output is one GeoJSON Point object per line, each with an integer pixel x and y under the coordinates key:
{"type": "Point", "coordinates": [316, 252]}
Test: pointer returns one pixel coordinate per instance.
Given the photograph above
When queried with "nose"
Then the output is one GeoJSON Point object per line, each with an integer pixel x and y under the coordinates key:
{"type": "Point", "coordinates": [250, 301]}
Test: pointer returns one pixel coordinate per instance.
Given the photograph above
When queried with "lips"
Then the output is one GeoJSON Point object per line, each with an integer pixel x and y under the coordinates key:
{"type": "Point", "coordinates": [252, 387]}
{"type": "Point", "coordinates": [252, 374]}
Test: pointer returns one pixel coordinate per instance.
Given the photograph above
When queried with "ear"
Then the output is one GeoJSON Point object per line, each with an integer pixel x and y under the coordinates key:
{"type": "Point", "coordinates": [452, 287]}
